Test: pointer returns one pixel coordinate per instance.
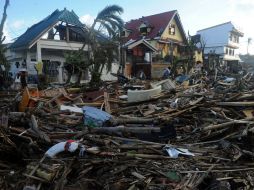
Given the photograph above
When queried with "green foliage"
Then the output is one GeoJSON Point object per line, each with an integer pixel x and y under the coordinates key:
{"type": "Point", "coordinates": [102, 41]}
{"type": "Point", "coordinates": [77, 60]}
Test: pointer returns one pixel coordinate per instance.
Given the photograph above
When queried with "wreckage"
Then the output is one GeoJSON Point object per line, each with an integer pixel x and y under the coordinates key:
{"type": "Point", "coordinates": [134, 136]}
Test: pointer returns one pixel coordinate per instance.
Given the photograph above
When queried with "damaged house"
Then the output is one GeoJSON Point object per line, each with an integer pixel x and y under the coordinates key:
{"type": "Point", "coordinates": [152, 43]}
{"type": "Point", "coordinates": [43, 46]}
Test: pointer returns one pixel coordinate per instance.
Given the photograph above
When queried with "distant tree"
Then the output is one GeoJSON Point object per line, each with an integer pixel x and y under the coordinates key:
{"type": "Point", "coordinates": [248, 44]}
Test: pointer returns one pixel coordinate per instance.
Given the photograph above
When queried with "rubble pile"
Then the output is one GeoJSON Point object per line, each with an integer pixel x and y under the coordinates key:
{"type": "Point", "coordinates": [188, 136]}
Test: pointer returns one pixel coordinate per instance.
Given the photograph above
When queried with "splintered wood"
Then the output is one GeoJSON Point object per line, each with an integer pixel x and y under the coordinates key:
{"type": "Point", "coordinates": [195, 137]}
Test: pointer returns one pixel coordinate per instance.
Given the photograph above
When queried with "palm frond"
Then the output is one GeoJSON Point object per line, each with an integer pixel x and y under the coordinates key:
{"type": "Point", "coordinates": [109, 10]}
{"type": "Point", "coordinates": [118, 19]}
{"type": "Point", "coordinates": [108, 27]}
{"type": "Point", "coordinates": [113, 24]}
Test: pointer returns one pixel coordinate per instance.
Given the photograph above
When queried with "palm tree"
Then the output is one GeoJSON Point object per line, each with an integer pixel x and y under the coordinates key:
{"type": "Point", "coordinates": [248, 44]}
{"type": "Point", "coordinates": [102, 40]}
{"type": "Point", "coordinates": [109, 23]}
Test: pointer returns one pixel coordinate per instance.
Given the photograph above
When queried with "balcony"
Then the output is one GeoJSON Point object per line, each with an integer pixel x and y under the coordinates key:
{"type": "Point", "coordinates": [233, 45]}
{"type": "Point", "coordinates": [231, 57]}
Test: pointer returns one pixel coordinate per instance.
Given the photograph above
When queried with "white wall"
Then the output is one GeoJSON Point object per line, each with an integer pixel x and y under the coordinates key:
{"type": "Point", "coordinates": [107, 76]}
{"type": "Point", "coordinates": [216, 36]}
{"type": "Point", "coordinates": [56, 55]}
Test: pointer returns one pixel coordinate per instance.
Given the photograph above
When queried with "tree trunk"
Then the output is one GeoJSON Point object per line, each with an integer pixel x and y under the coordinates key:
{"type": "Point", "coordinates": [79, 77]}
{"type": "Point", "coordinates": [3, 20]}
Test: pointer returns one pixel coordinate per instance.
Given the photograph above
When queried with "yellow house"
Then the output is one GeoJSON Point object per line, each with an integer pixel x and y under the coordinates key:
{"type": "Point", "coordinates": [164, 31]}
{"type": "Point", "coordinates": [153, 42]}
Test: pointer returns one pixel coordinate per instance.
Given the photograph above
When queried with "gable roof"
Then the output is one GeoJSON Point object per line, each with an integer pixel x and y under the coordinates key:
{"type": "Point", "coordinates": [230, 24]}
{"type": "Point", "coordinates": [37, 30]}
{"type": "Point", "coordinates": [132, 43]}
{"type": "Point", "coordinates": [208, 28]}
{"type": "Point", "coordinates": [158, 22]}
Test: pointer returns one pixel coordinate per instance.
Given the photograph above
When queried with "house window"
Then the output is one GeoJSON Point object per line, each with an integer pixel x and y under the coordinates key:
{"type": "Point", "coordinates": [230, 52]}
{"type": "Point", "coordinates": [172, 29]}
{"type": "Point", "coordinates": [17, 64]}
{"type": "Point", "coordinates": [143, 30]}
{"type": "Point", "coordinates": [123, 33]}
{"type": "Point", "coordinates": [230, 37]}
{"type": "Point", "coordinates": [226, 51]}
{"type": "Point", "coordinates": [233, 52]}
{"type": "Point", "coordinates": [236, 39]}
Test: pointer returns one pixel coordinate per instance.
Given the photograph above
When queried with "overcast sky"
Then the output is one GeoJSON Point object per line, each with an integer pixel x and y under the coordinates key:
{"type": "Point", "coordinates": [195, 14]}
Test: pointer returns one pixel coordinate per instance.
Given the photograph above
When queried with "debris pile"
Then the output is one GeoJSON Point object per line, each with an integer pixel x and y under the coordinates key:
{"type": "Point", "coordinates": [184, 136]}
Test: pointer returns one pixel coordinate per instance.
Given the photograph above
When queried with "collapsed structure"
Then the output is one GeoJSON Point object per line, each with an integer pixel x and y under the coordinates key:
{"type": "Point", "coordinates": [194, 132]}
{"type": "Point", "coordinates": [182, 136]}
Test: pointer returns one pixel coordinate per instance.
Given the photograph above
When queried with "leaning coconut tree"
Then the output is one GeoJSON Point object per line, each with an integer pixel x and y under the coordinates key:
{"type": "Point", "coordinates": [102, 42]}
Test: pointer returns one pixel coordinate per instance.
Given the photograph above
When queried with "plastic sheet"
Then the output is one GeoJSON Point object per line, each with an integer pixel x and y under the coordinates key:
{"type": "Point", "coordinates": [94, 117]}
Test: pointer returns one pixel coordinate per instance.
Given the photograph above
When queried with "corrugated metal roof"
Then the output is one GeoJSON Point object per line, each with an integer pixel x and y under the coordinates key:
{"type": "Point", "coordinates": [37, 30]}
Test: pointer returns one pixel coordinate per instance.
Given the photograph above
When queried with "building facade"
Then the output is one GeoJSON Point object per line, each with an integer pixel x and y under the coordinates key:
{"type": "Point", "coordinates": [42, 48]}
{"type": "Point", "coordinates": [166, 37]}
{"type": "Point", "coordinates": [222, 40]}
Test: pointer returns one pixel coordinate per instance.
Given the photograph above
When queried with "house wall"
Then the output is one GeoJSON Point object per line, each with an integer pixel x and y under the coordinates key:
{"type": "Point", "coordinates": [106, 76]}
{"type": "Point", "coordinates": [165, 35]}
{"type": "Point", "coordinates": [56, 55]}
{"type": "Point", "coordinates": [216, 36]}
{"type": "Point", "coordinates": [177, 36]}
{"type": "Point", "coordinates": [14, 57]}
{"type": "Point", "coordinates": [198, 56]}
{"type": "Point", "coordinates": [158, 69]}
{"type": "Point", "coordinates": [217, 39]}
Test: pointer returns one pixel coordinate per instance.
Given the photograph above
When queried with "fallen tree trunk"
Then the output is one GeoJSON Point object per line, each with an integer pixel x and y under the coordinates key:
{"type": "Point", "coordinates": [223, 125]}
{"type": "Point", "coordinates": [235, 104]}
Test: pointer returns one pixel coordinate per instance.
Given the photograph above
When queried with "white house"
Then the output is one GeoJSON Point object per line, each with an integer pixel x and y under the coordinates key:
{"type": "Point", "coordinates": [222, 39]}
{"type": "Point", "coordinates": [45, 43]}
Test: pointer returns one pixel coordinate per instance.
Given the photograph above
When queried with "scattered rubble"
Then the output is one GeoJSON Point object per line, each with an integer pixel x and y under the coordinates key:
{"type": "Point", "coordinates": [193, 135]}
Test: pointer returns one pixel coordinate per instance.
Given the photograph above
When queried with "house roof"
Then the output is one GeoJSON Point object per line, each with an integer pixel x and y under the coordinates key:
{"type": "Point", "coordinates": [158, 23]}
{"type": "Point", "coordinates": [132, 43]}
{"type": "Point", "coordinates": [234, 29]}
{"type": "Point", "coordinates": [37, 30]}
{"type": "Point", "coordinates": [215, 26]}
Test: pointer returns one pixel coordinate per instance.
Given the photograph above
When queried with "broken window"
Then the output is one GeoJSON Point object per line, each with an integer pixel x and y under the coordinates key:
{"type": "Point", "coordinates": [143, 30]}
{"type": "Point", "coordinates": [172, 29]}
{"type": "Point", "coordinates": [123, 33]}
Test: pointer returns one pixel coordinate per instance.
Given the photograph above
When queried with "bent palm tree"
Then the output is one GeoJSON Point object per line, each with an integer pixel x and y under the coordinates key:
{"type": "Point", "coordinates": [102, 42]}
